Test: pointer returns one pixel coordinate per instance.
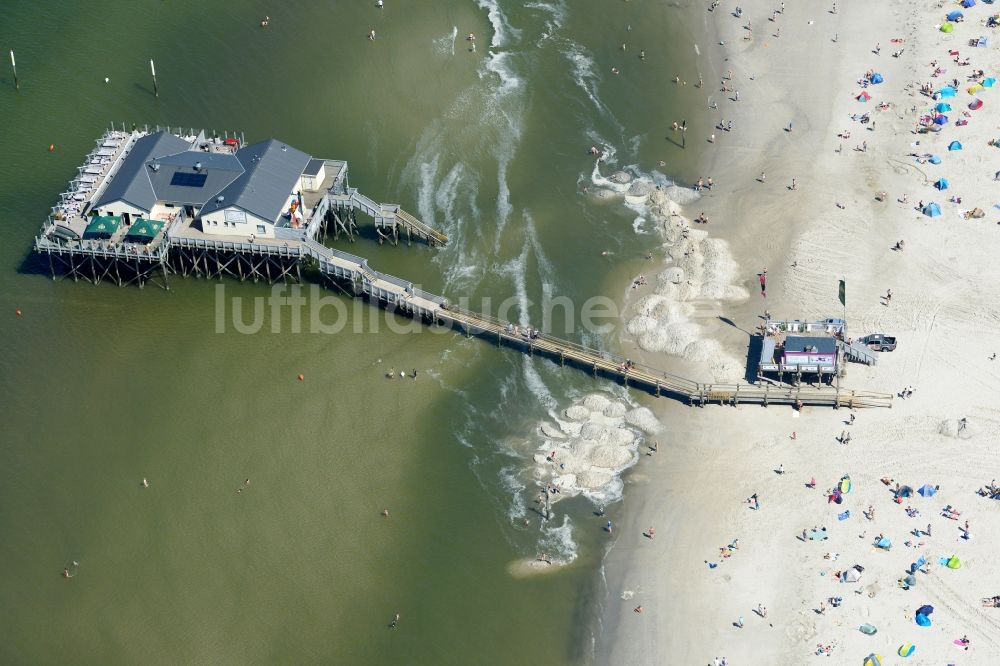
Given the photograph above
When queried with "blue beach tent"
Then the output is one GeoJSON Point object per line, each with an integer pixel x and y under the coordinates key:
{"type": "Point", "coordinates": [934, 159]}
{"type": "Point", "coordinates": [968, 3]}
{"type": "Point", "coordinates": [941, 120]}
{"type": "Point", "coordinates": [942, 184]}
{"type": "Point", "coordinates": [946, 92]}
{"type": "Point", "coordinates": [927, 490]}
{"type": "Point", "coordinates": [955, 15]}
{"type": "Point", "coordinates": [932, 210]}
{"type": "Point", "coordinates": [989, 82]}
{"type": "Point", "coordinates": [877, 78]}
{"type": "Point", "coordinates": [955, 145]}
{"type": "Point", "coordinates": [942, 107]}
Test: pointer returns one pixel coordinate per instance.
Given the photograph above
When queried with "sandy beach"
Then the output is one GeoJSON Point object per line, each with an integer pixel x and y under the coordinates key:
{"type": "Point", "coordinates": [681, 597]}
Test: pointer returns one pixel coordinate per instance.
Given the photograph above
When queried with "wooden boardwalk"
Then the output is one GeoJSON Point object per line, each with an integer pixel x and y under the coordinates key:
{"type": "Point", "coordinates": [657, 381]}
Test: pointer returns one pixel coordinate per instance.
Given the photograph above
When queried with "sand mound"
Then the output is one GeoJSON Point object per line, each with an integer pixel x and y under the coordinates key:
{"type": "Point", "coordinates": [643, 419]}
{"type": "Point", "coordinates": [615, 410]}
{"type": "Point", "coordinates": [593, 479]}
{"type": "Point", "coordinates": [577, 413]}
{"type": "Point", "coordinates": [595, 432]}
{"type": "Point", "coordinates": [596, 403]}
{"type": "Point", "coordinates": [620, 177]}
{"type": "Point", "coordinates": [551, 430]}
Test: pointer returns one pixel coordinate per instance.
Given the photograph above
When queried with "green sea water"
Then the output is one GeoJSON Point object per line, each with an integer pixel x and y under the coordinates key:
{"type": "Point", "coordinates": [102, 386]}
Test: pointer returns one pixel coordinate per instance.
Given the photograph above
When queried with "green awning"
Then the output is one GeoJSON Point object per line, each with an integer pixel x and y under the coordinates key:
{"type": "Point", "coordinates": [103, 225]}
{"type": "Point", "coordinates": [145, 230]}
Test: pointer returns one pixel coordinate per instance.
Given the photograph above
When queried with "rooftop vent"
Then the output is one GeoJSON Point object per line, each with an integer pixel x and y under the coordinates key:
{"type": "Point", "coordinates": [197, 166]}
{"type": "Point", "coordinates": [154, 166]}
{"type": "Point", "coordinates": [220, 199]}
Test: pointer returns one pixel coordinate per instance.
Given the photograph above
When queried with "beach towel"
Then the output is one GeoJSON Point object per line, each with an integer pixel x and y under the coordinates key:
{"type": "Point", "coordinates": [884, 543]}
{"type": "Point", "coordinates": [844, 516]}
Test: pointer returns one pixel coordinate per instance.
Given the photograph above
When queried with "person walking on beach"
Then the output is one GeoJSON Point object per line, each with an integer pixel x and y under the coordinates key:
{"type": "Point", "coordinates": [651, 532]}
{"type": "Point", "coordinates": [851, 420]}
{"type": "Point", "coordinates": [762, 176]}
{"type": "Point", "coordinates": [962, 424]}
{"type": "Point", "coordinates": [739, 622]}
{"type": "Point", "coordinates": [793, 184]}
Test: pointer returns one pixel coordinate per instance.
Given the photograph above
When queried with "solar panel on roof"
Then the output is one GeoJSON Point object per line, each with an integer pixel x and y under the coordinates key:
{"type": "Point", "coordinates": [189, 179]}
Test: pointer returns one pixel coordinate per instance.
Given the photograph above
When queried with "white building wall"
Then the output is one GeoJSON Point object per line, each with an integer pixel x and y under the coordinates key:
{"type": "Point", "coordinates": [121, 207]}
{"type": "Point", "coordinates": [233, 221]}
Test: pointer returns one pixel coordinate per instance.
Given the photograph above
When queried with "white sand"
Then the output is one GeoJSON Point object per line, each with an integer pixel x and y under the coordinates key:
{"type": "Point", "coordinates": [943, 310]}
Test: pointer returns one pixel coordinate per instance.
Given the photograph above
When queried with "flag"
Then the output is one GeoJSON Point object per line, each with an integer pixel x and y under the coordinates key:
{"type": "Point", "coordinates": [842, 292]}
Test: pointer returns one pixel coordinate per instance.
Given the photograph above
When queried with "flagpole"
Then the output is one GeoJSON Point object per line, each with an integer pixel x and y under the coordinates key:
{"type": "Point", "coordinates": [13, 65]}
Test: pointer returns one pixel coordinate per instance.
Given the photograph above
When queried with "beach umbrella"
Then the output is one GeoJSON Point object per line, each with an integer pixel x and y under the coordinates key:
{"type": "Point", "coordinates": [873, 660]}
{"type": "Point", "coordinates": [933, 159]}
{"type": "Point", "coordinates": [906, 649]}
{"type": "Point", "coordinates": [947, 92]}
{"type": "Point", "coordinates": [947, 27]}
{"type": "Point", "coordinates": [845, 484]}
{"type": "Point", "coordinates": [942, 184]}
{"type": "Point", "coordinates": [951, 16]}
{"type": "Point", "coordinates": [954, 562]}
{"type": "Point", "coordinates": [867, 629]}
{"type": "Point", "coordinates": [976, 104]}
{"type": "Point", "coordinates": [864, 96]}
{"type": "Point", "coordinates": [942, 107]}
{"type": "Point", "coordinates": [941, 119]}
{"type": "Point", "coordinates": [877, 78]}
{"type": "Point", "coordinates": [932, 210]}
{"type": "Point", "coordinates": [973, 89]}
{"type": "Point", "coordinates": [968, 3]}
{"type": "Point", "coordinates": [955, 145]}
{"type": "Point", "coordinates": [922, 620]}
{"type": "Point", "coordinates": [910, 580]}
{"type": "Point", "coordinates": [989, 83]}
{"type": "Point", "coordinates": [927, 490]}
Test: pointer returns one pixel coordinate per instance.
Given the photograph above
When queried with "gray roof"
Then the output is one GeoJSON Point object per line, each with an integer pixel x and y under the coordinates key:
{"type": "Point", "coordinates": [823, 345]}
{"type": "Point", "coordinates": [271, 171]}
{"type": "Point", "coordinates": [219, 170]}
{"type": "Point", "coordinates": [130, 183]}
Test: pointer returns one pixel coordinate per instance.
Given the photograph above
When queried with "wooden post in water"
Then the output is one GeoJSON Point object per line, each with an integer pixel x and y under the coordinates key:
{"type": "Point", "coordinates": [152, 70]}
{"type": "Point", "coordinates": [13, 66]}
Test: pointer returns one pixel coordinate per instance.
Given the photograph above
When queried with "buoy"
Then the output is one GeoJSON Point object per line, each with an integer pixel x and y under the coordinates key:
{"type": "Point", "coordinates": [302, 378]}
{"type": "Point", "coordinates": [18, 312]}
{"type": "Point", "coordinates": [52, 147]}
{"type": "Point", "coordinates": [107, 80]}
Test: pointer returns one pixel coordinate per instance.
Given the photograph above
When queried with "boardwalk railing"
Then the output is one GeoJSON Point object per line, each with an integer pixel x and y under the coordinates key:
{"type": "Point", "coordinates": [656, 380]}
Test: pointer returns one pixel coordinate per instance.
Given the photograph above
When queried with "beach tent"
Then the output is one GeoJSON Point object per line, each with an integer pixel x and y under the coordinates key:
{"type": "Point", "coordinates": [947, 27]}
{"type": "Point", "coordinates": [947, 92]}
{"type": "Point", "coordinates": [952, 16]}
{"type": "Point", "coordinates": [102, 226]}
{"type": "Point", "coordinates": [933, 159]}
{"type": "Point", "coordinates": [908, 581]}
{"type": "Point", "coordinates": [942, 184]}
{"type": "Point", "coordinates": [954, 562]}
{"type": "Point", "coordinates": [955, 145]}
{"type": "Point", "coordinates": [932, 210]}
{"type": "Point", "coordinates": [921, 561]}
{"type": "Point", "coordinates": [989, 83]}
{"type": "Point", "coordinates": [851, 575]}
{"type": "Point", "coordinates": [144, 230]}
{"type": "Point", "coordinates": [906, 649]}
{"type": "Point", "coordinates": [925, 610]}
{"type": "Point", "coordinates": [968, 3]}
{"type": "Point", "coordinates": [845, 484]}
{"type": "Point", "coordinates": [976, 104]}
{"type": "Point", "coordinates": [877, 78]}
{"type": "Point", "coordinates": [864, 96]}
{"type": "Point", "coordinates": [883, 543]}
{"type": "Point", "coordinates": [942, 107]}
{"type": "Point", "coordinates": [941, 119]}
{"type": "Point", "coordinates": [868, 629]}
{"type": "Point", "coordinates": [904, 491]}
{"type": "Point", "coordinates": [923, 620]}
{"type": "Point", "coordinates": [927, 490]}
{"type": "Point", "coordinates": [976, 213]}
{"type": "Point", "coordinates": [873, 660]}
{"type": "Point", "coordinates": [974, 88]}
